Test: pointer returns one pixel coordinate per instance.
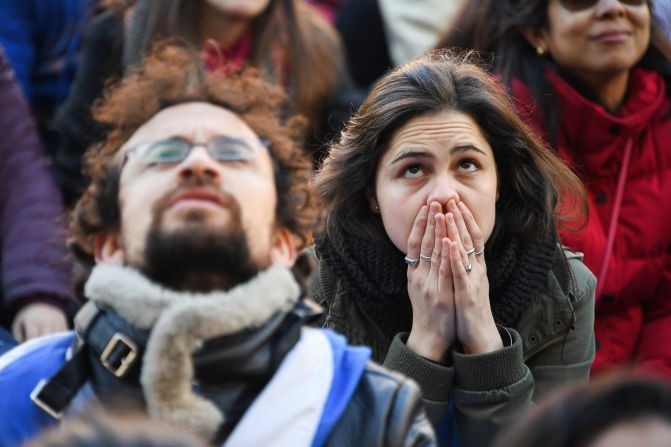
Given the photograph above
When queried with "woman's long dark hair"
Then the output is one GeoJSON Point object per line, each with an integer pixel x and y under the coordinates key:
{"type": "Point", "coordinates": [493, 26]}
{"type": "Point", "coordinates": [532, 179]}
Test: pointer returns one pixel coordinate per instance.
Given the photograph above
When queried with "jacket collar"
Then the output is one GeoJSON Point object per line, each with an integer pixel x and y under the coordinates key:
{"type": "Point", "coordinates": [180, 324]}
{"type": "Point", "coordinates": [645, 94]}
{"type": "Point", "coordinates": [587, 134]}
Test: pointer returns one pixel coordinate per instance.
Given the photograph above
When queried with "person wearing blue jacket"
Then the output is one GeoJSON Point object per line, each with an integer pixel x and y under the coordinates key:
{"type": "Point", "coordinates": [184, 243]}
{"type": "Point", "coordinates": [42, 40]}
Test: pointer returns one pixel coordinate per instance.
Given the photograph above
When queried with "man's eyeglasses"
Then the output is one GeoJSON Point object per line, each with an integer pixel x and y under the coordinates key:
{"type": "Point", "coordinates": [174, 150]}
{"type": "Point", "coordinates": [579, 5]}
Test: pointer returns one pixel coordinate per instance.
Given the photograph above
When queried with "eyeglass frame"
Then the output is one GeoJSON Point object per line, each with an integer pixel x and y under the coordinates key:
{"type": "Point", "coordinates": [191, 144]}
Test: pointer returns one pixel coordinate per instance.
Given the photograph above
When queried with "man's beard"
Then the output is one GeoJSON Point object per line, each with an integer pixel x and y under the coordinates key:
{"type": "Point", "coordinates": [198, 257]}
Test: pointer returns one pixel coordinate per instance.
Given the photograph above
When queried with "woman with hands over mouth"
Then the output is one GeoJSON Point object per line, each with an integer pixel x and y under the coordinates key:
{"type": "Point", "coordinates": [440, 249]}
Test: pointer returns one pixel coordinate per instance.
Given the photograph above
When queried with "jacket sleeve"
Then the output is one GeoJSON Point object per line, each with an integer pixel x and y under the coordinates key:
{"type": "Point", "coordinates": [491, 391]}
{"type": "Point", "coordinates": [33, 231]}
{"type": "Point", "coordinates": [407, 420]}
{"type": "Point", "coordinates": [654, 349]}
{"type": "Point", "coordinates": [386, 409]}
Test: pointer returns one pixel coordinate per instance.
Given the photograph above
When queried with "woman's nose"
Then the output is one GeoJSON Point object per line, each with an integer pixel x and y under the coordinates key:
{"type": "Point", "coordinates": [609, 8]}
{"type": "Point", "coordinates": [443, 189]}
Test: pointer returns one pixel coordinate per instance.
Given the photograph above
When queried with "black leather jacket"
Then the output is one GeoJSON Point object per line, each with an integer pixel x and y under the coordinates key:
{"type": "Point", "coordinates": [385, 410]}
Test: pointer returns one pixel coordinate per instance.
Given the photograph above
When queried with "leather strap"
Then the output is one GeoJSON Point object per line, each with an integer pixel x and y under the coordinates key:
{"type": "Point", "coordinates": [54, 395]}
{"type": "Point", "coordinates": [116, 351]}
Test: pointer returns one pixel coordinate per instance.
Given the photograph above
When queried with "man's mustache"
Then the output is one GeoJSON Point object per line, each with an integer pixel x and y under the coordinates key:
{"type": "Point", "coordinates": [206, 187]}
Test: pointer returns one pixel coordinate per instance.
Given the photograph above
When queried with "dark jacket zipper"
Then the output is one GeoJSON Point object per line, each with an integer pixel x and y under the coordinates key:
{"type": "Point", "coordinates": [560, 338]}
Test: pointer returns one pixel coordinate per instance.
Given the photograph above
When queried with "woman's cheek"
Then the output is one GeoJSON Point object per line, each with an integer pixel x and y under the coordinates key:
{"type": "Point", "coordinates": [398, 225]}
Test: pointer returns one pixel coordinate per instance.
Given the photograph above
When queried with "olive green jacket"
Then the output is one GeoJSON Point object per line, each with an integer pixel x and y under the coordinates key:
{"type": "Point", "coordinates": [552, 345]}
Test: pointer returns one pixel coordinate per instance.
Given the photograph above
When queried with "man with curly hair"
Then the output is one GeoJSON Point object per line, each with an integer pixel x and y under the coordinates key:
{"type": "Point", "coordinates": [183, 243]}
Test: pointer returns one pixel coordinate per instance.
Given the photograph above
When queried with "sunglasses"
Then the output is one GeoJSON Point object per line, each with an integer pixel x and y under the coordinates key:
{"type": "Point", "coordinates": [174, 150]}
{"type": "Point", "coordinates": [579, 5]}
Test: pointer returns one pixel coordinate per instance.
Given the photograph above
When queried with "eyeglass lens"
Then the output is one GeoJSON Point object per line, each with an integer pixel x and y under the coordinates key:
{"type": "Point", "coordinates": [220, 148]}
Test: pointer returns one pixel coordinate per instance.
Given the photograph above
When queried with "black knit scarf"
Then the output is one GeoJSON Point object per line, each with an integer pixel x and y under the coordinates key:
{"type": "Point", "coordinates": [374, 274]}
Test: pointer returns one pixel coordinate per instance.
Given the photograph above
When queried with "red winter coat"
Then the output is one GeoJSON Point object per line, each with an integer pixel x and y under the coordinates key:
{"type": "Point", "coordinates": [633, 303]}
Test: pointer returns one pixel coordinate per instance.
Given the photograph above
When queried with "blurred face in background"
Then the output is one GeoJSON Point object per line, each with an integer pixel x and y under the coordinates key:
{"type": "Point", "coordinates": [240, 8]}
{"type": "Point", "coordinates": [596, 38]}
{"type": "Point", "coordinates": [649, 432]}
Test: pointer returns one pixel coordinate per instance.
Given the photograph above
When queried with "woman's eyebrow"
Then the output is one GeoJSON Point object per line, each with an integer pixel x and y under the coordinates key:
{"type": "Point", "coordinates": [467, 147]}
{"type": "Point", "coordinates": [411, 154]}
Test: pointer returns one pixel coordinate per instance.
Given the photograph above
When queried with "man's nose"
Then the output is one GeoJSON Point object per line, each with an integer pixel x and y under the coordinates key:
{"type": "Point", "coordinates": [199, 163]}
{"type": "Point", "coordinates": [443, 188]}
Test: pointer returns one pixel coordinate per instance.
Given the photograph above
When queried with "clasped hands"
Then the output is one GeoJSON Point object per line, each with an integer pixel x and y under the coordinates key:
{"type": "Point", "coordinates": [449, 292]}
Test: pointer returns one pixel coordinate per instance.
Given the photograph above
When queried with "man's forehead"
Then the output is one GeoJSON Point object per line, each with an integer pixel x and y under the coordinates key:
{"type": "Point", "coordinates": [198, 121]}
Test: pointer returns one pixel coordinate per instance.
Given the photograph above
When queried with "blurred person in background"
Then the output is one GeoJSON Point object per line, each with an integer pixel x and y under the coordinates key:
{"type": "Point", "coordinates": [382, 34]}
{"type": "Point", "coordinates": [440, 248]}
{"type": "Point", "coordinates": [35, 292]}
{"type": "Point", "coordinates": [662, 13]}
{"type": "Point", "coordinates": [286, 39]}
{"type": "Point", "coordinates": [616, 411]}
{"type": "Point", "coordinates": [42, 40]}
{"type": "Point", "coordinates": [593, 77]}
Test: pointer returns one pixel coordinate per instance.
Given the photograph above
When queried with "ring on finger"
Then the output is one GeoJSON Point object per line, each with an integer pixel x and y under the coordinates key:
{"type": "Point", "coordinates": [425, 258]}
{"type": "Point", "coordinates": [412, 262]}
{"type": "Point", "coordinates": [469, 268]}
{"type": "Point", "coordinates": [480, 252]}
{"type": "Point", "coordinates": [470, 251]}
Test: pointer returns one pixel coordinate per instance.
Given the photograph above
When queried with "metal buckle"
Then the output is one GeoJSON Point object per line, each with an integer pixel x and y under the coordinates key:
{"type": "Point", "coordinates": [126, 361]}
{"type": "Point", "coordinates": [34, 396]}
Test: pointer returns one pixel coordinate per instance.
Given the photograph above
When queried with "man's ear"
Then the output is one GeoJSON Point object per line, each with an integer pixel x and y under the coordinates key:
{"type": "Point", "coordinates": [108, 248]}
{"type": "Point", "coordinates": [537, 38]}
{"type": "Point", "coordinates": [283, 251]}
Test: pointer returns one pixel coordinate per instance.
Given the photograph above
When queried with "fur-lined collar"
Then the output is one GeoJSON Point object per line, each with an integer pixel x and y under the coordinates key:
{"type": "Point", "coordinates": [180, 323]}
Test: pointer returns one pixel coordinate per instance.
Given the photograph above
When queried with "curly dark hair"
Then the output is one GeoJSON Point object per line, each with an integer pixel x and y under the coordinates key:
{"type": "Point", "coordinates": [173, 74]}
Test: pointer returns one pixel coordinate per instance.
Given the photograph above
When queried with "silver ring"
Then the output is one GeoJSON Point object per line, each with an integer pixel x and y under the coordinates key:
{"type": "Point", "coordinates": [410, 261]}
{"type": "Point", "coordinates": [425, 258]}
{"type": "Point", "coordinates": [480, 252]}
{"type": "Point", "coordinates": [470, 251]}
{"type": "Point", "coordinates": [469, 268]}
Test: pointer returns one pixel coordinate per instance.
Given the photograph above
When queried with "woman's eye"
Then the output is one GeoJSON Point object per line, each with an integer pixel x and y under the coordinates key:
{"type": "Point", "coordinates": [468, 166]}
{"type": "Point", "coordinates": [413, 171]}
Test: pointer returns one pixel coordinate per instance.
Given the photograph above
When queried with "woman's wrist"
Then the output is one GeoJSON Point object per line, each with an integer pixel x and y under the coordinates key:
{"type": "Point", "coordinates": [489, 341]}
{"type": "Point", "coordinates": [430, 347]}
